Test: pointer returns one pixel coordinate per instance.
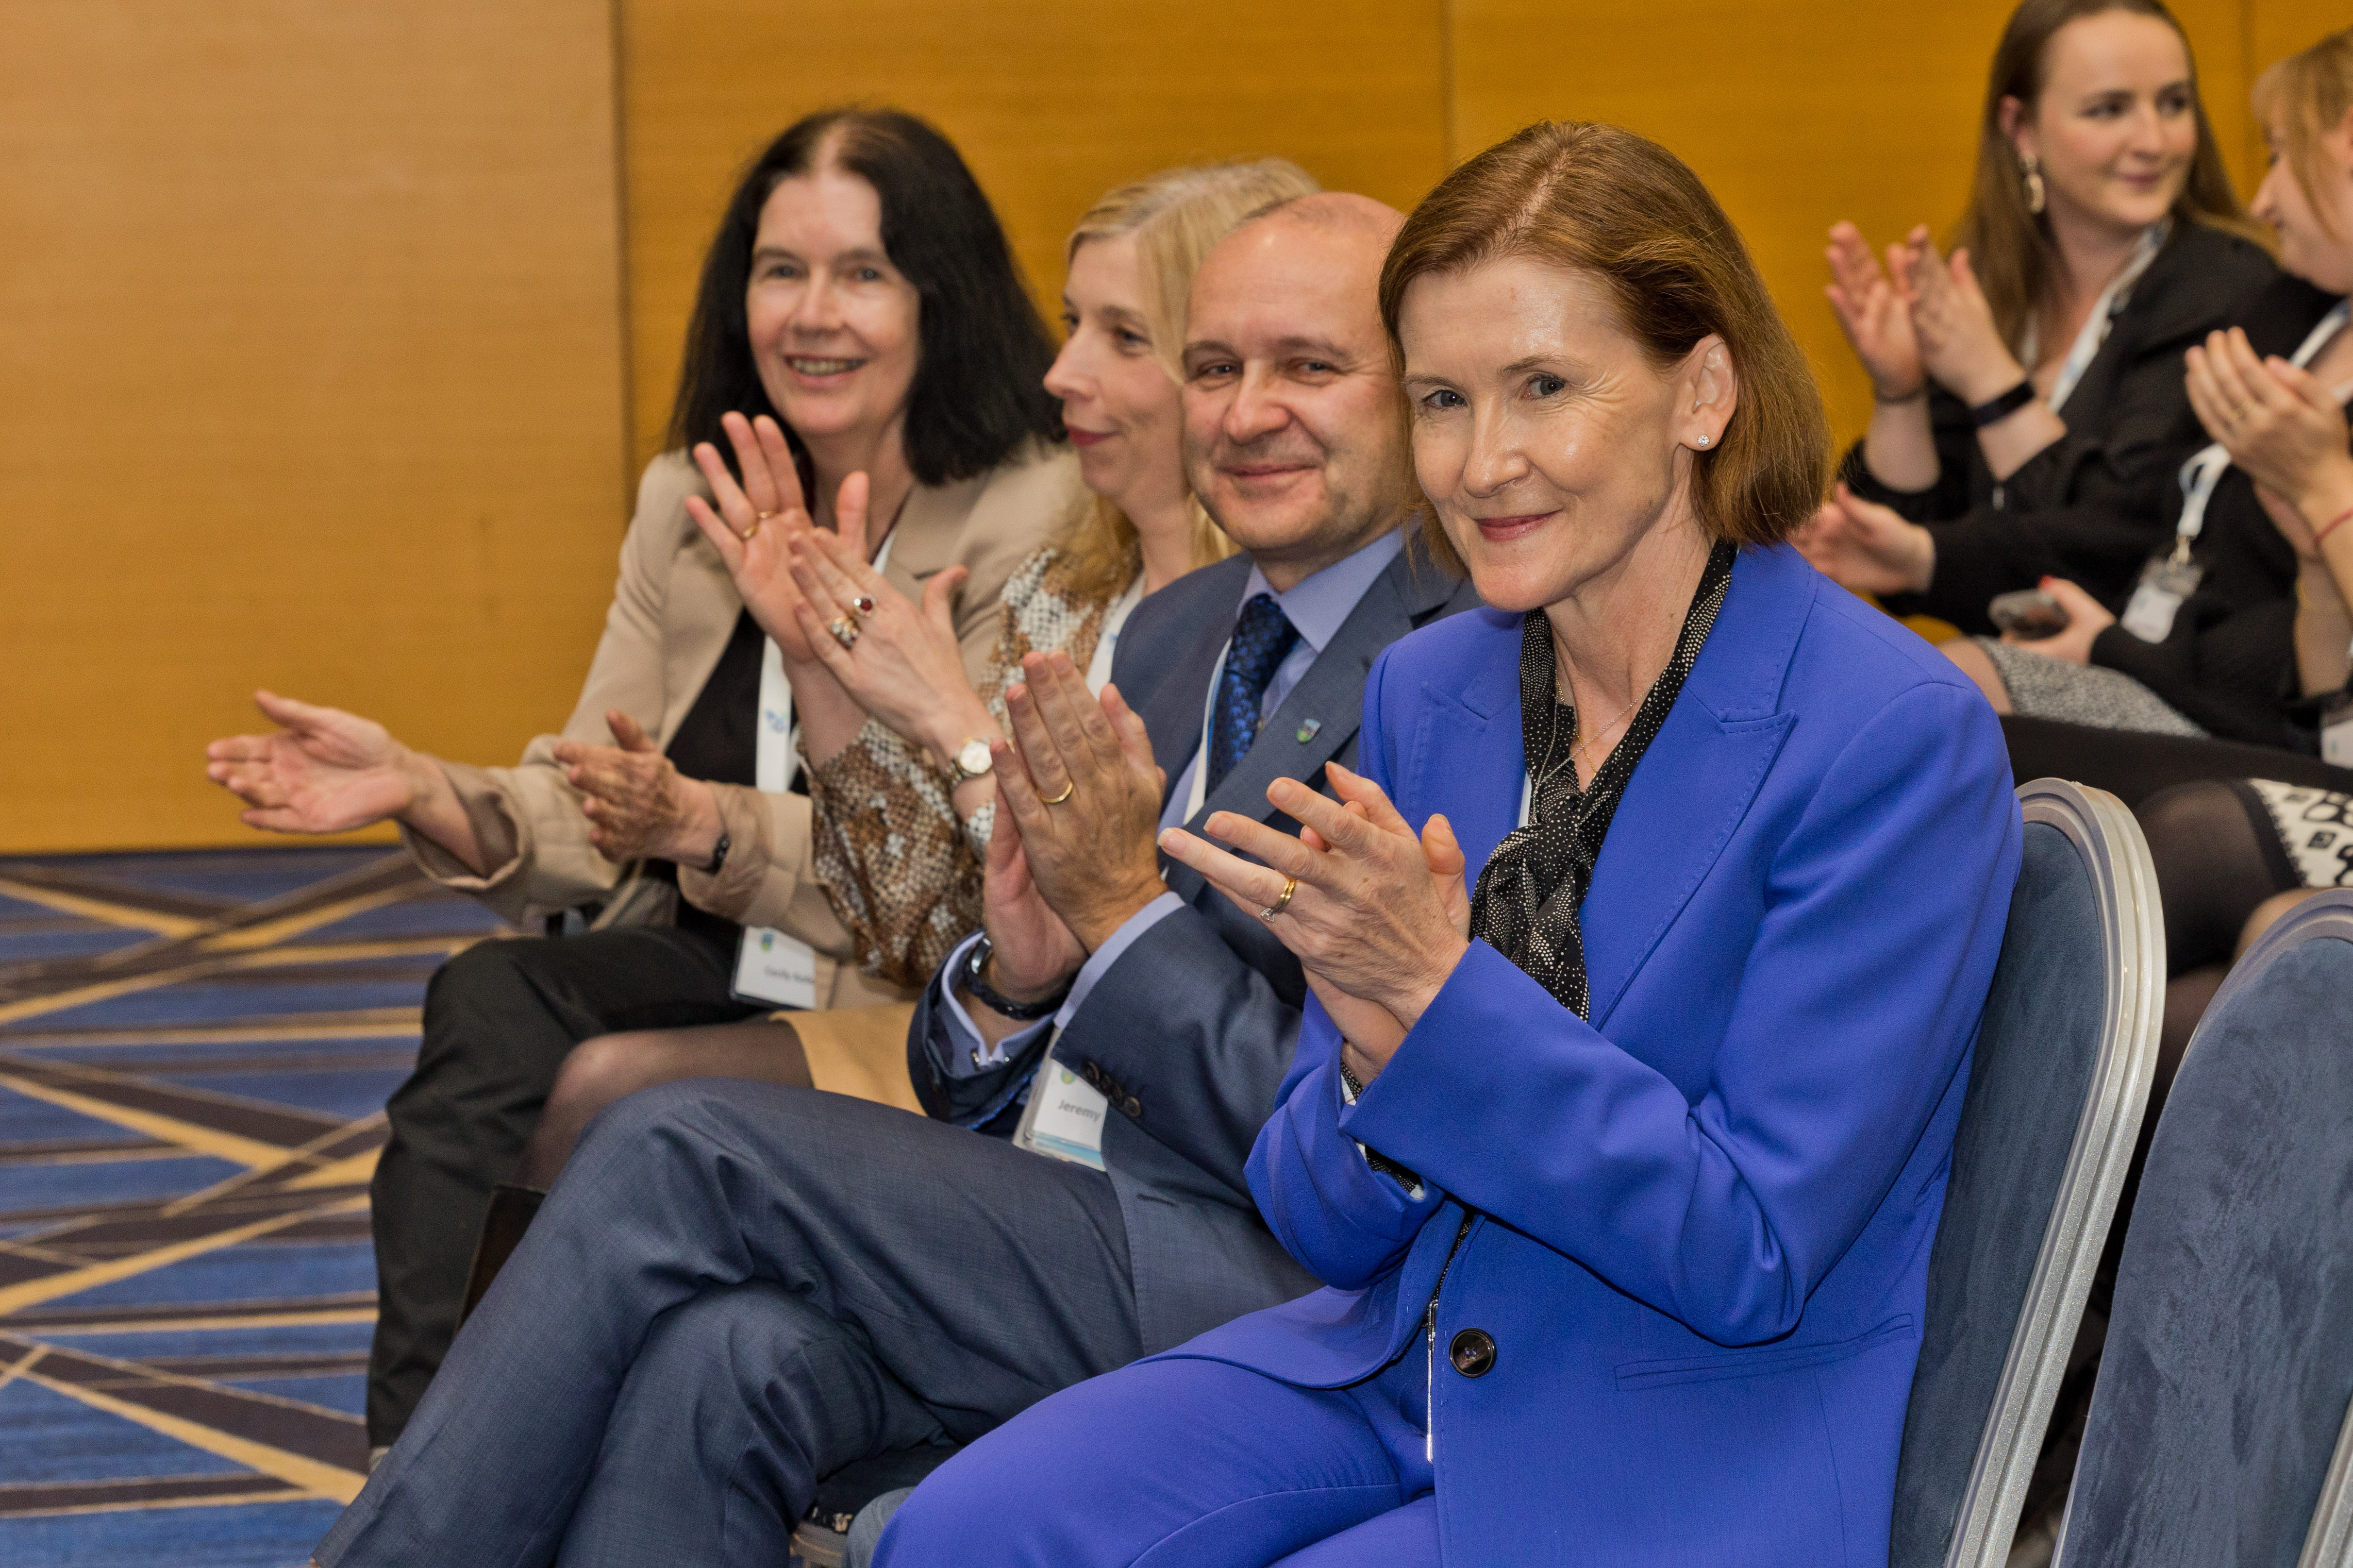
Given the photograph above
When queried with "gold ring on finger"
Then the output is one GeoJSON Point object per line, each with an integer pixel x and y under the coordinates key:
{"type": "Point", "coordinates": [1070, 788]}
{"type": "Point", "coordinates": [844, 630]}
{"type": "Point", "coordinates": [1283, 899]}
{"type": "Point", "coordinates": [863, 605]}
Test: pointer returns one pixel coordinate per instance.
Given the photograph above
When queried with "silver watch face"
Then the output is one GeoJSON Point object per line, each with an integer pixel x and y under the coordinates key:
{"type": "Point", "coordinates": [972, 758]}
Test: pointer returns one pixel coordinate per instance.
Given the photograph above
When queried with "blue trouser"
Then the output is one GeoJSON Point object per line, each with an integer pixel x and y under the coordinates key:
{"type": "Point", "coordinates": [734, 1290]}
{"type": "Point", "coordinates": [1176, 1463]}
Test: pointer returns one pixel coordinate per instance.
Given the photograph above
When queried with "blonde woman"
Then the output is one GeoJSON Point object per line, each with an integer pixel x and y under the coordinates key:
{"type": "Point", "coordinates": [900, 786]}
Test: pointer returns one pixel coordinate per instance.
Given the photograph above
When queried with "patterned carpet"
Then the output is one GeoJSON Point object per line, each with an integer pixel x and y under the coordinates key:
{"type": "Point", "coordinates": [195, 1052]}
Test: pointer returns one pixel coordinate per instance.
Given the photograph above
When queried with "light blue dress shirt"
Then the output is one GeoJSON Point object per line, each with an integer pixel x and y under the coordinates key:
{"type": "Point", "coordinates": [1317, 607]}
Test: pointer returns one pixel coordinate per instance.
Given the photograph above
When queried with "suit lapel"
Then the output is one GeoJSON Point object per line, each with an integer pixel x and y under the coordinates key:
{"type": "Point", "coordinates": [1695, 782]}
{"type": "Point", "coordinates": [1466, 759]}
{"type": "Point", "coordinates": [1326, 708]}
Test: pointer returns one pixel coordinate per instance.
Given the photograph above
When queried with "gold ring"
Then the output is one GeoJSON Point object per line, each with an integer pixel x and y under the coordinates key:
{"type": "Point", "coordinates": [844, 630]}
{"type": "Point", "coordinates": [1069, 789]}
{"type": "Point", "coordinates": [1290, 885]}
{"type": "Point", "coordinates": [746, 535]}
{"type": "Point", "coordinates": [863, 605]}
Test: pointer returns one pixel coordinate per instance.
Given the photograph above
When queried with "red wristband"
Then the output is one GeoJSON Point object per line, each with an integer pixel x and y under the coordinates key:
{"type": "Point", "coordinates": [2332, 525]}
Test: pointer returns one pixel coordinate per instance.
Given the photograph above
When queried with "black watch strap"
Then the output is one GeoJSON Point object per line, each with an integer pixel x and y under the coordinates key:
{"type": "Point", "coordinates": [997, 1001]}
{"type": "Point", "coordinates": [2002, 407]}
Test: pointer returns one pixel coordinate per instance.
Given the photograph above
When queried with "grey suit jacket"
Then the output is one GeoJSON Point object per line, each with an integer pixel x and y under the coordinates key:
{"type": "Point", "coordinates": [1190, 1032]}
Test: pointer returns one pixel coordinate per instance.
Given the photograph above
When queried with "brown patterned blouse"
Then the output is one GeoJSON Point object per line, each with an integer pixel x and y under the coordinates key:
{"type": "Point", "coordinates": [902, 872]}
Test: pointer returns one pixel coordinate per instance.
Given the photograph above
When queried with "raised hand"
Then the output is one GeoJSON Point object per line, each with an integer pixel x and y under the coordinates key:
{"type": "Point", "coordinates": [1033, 951]}
{"type": "Point", "coordinates": [1960, 347]}
{"type": "Point", "coordinates": [1079, 779]}
{"type": "Point", "coordinates": [636, 802]}
{"type": "Point", "coordinates": [1875, 313]}
{"type": "Point", "coordinates": [323, 771]}
{"type": "Point", "coordinates": [757, 522]}
{"type": "Point", "coordinates": [1367, 914]}
{"type": "Point", "coordinates": [2279, 422]}
{"type": "Point", "coordinates": [1867, 548]}
{"type": "Point", "coordinates": [904, 666]}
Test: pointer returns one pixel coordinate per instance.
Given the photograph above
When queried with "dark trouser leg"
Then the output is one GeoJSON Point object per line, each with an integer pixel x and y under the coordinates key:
{"type": "Point", "coordinates": [499, 1020]}
{"type": "Point", "coordinates": [741, 1401]}
{"type": "Point", "coordinates": [982, 1278]}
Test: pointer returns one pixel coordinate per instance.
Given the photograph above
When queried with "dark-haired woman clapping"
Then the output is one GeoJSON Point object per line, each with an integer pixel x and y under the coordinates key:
{"type": "Point", "coordinates": [859, 316]}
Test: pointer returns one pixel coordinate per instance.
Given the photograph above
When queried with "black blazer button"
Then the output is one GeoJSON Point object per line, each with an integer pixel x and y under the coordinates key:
{"type": "Point", "coordinates": [1472, 1352]}
{"type": "Point", "coordinates": [1133, 1106]}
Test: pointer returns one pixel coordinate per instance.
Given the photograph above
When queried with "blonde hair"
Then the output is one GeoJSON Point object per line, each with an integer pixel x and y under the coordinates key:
{"type": "Point", "coordinates": [1174, 217]}
{"type": "Point", "coordinates": [2010, 247]}
{"type": "Point", "coordinates": [2310, 94]}
{"type": "Point", "coordinates": [1599, 199]}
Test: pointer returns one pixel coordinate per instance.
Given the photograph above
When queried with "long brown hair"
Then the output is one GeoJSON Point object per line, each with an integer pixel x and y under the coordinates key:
{"type": "Point", "coordinates": [1175, 216]}
{"type": "Point", "coordinates": [2309, 93]}
{"type": "Point", "coordinates": [1602, 200]}
{"type": "Point", "coordinates": [2010, 247]}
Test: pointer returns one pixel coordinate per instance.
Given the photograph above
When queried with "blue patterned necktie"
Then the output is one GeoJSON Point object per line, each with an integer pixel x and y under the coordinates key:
{"type": "Point", "coordinates": [1262, 639]}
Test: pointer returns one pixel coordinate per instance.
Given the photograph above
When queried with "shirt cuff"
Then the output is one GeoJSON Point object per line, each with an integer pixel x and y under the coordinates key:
{"type": "Point", "coordinates": [969, 1055]}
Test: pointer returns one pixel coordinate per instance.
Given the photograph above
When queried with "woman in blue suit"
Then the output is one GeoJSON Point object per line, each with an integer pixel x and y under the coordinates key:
{"type": "Point", "coordinates": [1623, 1166]}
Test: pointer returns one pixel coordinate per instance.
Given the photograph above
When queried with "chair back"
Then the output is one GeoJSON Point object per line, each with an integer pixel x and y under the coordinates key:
{"type": "Point", "coordinates": [2057, 1084]}
{"type": "Point", "coordinates": [2217, 1429]}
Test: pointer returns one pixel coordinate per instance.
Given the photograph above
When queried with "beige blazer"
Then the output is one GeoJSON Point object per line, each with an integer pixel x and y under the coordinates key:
{"type": "Point", "coordinates": [672, 613]}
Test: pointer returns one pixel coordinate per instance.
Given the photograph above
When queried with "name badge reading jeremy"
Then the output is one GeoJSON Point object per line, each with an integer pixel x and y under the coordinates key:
{"type": "Point", "coordinates": [776, 969]}
{"type": "Point", "coordinates": [1065, 1117]}
{"type": "Point", "coordinates": [2165, 583]}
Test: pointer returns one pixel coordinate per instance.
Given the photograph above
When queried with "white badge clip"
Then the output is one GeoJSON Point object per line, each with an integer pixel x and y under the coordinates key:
{"type": "Point", "coordinates": [2166, 584]}
{"type": "Point", "coordinates": [1064, 1120]}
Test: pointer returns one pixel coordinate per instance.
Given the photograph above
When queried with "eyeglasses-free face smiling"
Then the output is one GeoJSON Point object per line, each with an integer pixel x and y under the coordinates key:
{"type": "Point", "coordinates": [1120, 405]}
{"type": "Point", "coordinates": [1554, 451]}
{"type": "Point", "coordinates": [2115, 125]}
{"type": "Point", "coordinates": [832, 322]}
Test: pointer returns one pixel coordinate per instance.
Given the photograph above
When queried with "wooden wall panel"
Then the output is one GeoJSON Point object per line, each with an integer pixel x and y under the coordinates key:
{"type": "Point", "coordinates": [311, 377]}
{"type": "Point", "coordinates": [1796, 114]}
{"type": "Point", "coordinates": [1052, 102]}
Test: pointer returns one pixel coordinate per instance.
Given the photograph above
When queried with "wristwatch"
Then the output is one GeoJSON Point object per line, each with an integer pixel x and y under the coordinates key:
{"type": "Point", "coordinates": [971, 759]}
{"type": "Point", "coordinates": [997, 1001]}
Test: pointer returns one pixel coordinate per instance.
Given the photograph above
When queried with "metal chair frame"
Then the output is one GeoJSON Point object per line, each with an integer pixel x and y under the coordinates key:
{"type": "Point", "coordinates": [2132, 934]}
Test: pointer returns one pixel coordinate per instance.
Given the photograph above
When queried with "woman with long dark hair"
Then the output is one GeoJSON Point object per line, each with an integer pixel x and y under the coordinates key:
{"type": "Point", "coordinates": [862, 325]}
{"type": "Point", "coordinates": [2028, 415]}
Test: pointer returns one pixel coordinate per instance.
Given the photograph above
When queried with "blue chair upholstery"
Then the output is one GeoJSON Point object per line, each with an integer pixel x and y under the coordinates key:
{"type": "Point", "coordinates": [2228, 1367]}
{"type": "Point", "coordinates": [2057, 1086]}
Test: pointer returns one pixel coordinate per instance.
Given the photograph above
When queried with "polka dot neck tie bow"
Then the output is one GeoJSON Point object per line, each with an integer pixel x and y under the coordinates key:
{"type": "Point", "coordinates": [1262, 639]}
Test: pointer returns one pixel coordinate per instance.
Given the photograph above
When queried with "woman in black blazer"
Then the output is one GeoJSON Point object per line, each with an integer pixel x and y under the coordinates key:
{"type": "Point", "coordinates": [2029, 414]}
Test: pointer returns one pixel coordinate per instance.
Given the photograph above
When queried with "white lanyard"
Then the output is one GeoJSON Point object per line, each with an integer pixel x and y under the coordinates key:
{"type": "Point", "coordinates": [777, 751]}
{"type": "Point", "coordinates": [1208, 716]}
{"type": "Point", "coordinates": [1114, 621]}
{"type": "Point", "coordinates": [771, 965]}
{"type": "Point", "coordinates": [2202, 472]}
{"type": "Point", "coordinates": [2095, 328]}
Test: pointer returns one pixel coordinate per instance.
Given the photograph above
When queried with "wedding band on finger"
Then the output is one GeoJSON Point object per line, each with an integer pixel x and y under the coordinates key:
{"type": "Point", "coordinates": [1283, 900]}
{"type": "Point", "coordinates": [844, 630]}
{"type": "Point", "coordinates": [863, 605]}
{"type": "Point", "coordinates": [1070, 788]}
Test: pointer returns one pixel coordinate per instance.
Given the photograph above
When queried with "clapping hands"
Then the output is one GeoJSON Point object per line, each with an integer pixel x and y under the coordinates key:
{"type": "Point", "coordinates": [1924, 318]}
{"type": "Point", "coordinates": [636, 802]}
{"type": "Point", "coordinates": [1378, 915]}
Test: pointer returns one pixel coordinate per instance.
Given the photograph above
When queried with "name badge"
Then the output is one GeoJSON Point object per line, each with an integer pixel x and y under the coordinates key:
{"type": "Point", "coordinates": [2337, 731]}
{"type": "Point", "coordinates": [1064, 1120]}
{"type": "Point", "coordinates": [776, 969]}
{"type": "Point", "coordinates": [2165, 583]}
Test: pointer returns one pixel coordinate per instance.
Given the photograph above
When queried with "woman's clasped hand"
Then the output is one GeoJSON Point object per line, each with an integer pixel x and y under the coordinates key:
{"type": "Point", "coordinates": [2280, 423]}
{"type": "Point", "coordinates": [1377, 915]}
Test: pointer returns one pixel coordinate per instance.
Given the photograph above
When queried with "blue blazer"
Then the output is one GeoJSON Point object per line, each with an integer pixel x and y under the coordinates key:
{"type": "Point", "coordinates": [1700, 1224]}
